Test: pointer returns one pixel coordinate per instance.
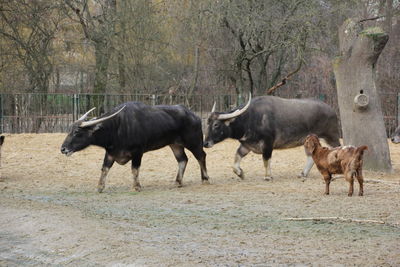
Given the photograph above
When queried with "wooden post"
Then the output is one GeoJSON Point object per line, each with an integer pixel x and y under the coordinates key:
{"type": "Point", "coordinates": [398, 109]}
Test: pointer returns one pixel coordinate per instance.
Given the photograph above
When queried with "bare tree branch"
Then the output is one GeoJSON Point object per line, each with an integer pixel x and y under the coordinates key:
{"type": "Point", "coordinates": [368, 19]}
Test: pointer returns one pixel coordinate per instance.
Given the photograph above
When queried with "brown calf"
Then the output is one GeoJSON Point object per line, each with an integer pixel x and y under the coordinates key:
{"type": "Point", "coordinates": [345, 160]}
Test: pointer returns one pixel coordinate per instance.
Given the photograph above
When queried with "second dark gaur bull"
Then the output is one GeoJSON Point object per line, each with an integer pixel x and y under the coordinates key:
{"type": "Point", "coordinates": [396, 136]}
{"type": "Point", "coordinates": [134, 128]}
{"type": "Point", "coordinates": [268, 123]}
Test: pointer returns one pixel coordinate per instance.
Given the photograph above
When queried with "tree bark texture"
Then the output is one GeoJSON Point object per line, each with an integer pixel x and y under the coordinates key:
{"type": "Point", "coordinates": [355, 74]}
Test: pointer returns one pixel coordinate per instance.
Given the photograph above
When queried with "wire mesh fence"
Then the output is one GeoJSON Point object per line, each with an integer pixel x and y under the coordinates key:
{"type": "Point", "coordinates": [49, 113]}
{"type": "Point", "coordinates": [52, 112]}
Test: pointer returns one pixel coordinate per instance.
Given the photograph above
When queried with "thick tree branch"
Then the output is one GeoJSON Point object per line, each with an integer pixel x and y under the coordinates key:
{"type": "Point", "coordinates": [341, 219]}
{"type": "Point", "coordinates": [283, 82]}
{"type": "Point", "coordinates": [79, 14]}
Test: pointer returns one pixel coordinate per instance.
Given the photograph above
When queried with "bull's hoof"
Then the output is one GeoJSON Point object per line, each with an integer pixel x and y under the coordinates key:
{"type": "Point", "coordinates": [268, 178]}
{"type": "Point", "coordinates": [205, 182]}
{"type": "Point", "coordinates": [239, 172]}
{"type": "Point", "coordinates": [178, 184]}
{"type": "Point", "coordinates": [301, 175]}
{"type": "Point", "coordinates": [100, 188]}
{"type": "Point", "coordinates": [137, 188]}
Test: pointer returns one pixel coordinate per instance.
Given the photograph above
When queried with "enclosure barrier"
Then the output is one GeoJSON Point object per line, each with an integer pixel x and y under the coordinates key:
{"type": "Point", "coordinates": [54, 112]}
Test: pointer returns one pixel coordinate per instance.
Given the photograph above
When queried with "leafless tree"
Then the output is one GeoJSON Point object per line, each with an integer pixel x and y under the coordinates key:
{"type": "Point", "coordinates": [28, 29]}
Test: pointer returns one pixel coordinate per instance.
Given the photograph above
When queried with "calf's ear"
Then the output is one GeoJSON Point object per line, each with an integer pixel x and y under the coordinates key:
{"type": "Point", "coordinates": [309, 147]}
{"type": "Point", "coordinates": [1, 139]}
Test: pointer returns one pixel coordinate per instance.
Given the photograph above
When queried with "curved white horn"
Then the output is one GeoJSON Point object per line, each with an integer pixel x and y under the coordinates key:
{"type": "Point", "coordinates": [236, 112]}
{"type": "Point", "coordinates": [94, 122]}
{"type": "Point", "coordinates": [214, 106]}
{"type": "Point", "coordinates": [86, 114]}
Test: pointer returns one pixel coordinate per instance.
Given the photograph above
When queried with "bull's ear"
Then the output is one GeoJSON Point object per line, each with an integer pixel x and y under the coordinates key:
{"type": "Point", "coordinates": [1, 139]}
{"type": "Point", "coordinates": [97, 127]}
{"type": "Point", "coordinates": [228, 121]}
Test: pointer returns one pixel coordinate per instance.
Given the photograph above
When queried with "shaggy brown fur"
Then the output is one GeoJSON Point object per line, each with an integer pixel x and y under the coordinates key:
{"type": "Point", "coordinates": [345, 160]}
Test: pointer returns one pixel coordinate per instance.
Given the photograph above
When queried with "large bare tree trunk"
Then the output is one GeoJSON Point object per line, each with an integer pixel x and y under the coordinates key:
{"type": "Point", "coordinates": [362, 123]}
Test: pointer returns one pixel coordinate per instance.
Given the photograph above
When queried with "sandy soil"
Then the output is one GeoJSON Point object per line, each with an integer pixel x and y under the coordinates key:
{"type": "Point", "coordinates": [51, 214]}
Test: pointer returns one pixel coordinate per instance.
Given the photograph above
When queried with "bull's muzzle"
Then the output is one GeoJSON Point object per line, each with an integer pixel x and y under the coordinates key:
{"type": "Point", "coordinates": [66, 151]}
{"type": "Point", "coordinates": [208, 144]}
{"type": "Point", "coordinates": [396, 139]}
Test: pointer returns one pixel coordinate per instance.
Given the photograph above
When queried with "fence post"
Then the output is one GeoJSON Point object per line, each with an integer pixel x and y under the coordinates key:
{"type": "Point", "coordinates": [75, 105]}
{"type": "Point", "coordinates": [398, 108]}
{"type": "Point", "coordinates": [1, 114]}
{"type": "Point", "coordinates": [153, 100]}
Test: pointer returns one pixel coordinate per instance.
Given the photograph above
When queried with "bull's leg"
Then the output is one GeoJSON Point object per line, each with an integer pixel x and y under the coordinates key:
{"type": "Point", "coordinates": [332, 140]}
{"type": "Point", "coordinates": [136, 161]}
{"type": "Point", "coordinates": [267, 164]}
{"type": "Point", "coordinates": [268, 173]}
{"type": "Point", "coordinates": [307, 168]}
{"type": "Point", "coordinates": [331, 133]}
{"type": "Point", "coordinates": [240, 153]}
{"type": "Point", "coordinates": [200, 155]}
{"type": "Point", "coordinates": [180, 155]}
{"type": "Point", "coordinates": [107, 164]}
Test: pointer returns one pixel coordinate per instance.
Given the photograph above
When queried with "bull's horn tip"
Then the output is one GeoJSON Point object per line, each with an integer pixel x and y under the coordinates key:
{"type": "Point", "coordinates": [214, 106]}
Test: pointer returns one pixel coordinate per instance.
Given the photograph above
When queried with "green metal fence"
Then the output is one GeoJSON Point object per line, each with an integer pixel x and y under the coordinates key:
{"type": "Point", "coordinates": [52, 112]}
{"type": "Point", "coordinates": [49, 113]}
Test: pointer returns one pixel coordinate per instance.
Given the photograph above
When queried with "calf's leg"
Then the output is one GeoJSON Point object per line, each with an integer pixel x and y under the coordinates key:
{"type": "Point", "coordinates": [107, 164]}
{"type": "Point", "coordinates": [349, 177]}
{"type": "Point", "coordinates": [360, 180]}
{"type": "Point", "coordinates": [327, 179]}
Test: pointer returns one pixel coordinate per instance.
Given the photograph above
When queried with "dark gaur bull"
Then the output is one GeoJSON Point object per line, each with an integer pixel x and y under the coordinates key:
{"type": "Point", "coordinates": [134, 128]}
{"type": "Point", "coordinates": [396, 136]}
{"type": "Point", "coordinates": [268, 123]}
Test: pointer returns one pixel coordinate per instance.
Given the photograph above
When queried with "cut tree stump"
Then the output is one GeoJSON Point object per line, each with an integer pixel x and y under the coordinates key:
{"type": "Point", "coordinates": [358, 98]}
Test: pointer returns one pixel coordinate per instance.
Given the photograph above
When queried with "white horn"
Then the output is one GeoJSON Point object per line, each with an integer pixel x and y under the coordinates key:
{"type": "Point", "coordinates": [94, 122]}
{"type": "Point", "coordinates": [86, 114]}
{"type": "Point", "coordinates": [236, 112]}
{"type": "Point", "coordinates": [214, 106]}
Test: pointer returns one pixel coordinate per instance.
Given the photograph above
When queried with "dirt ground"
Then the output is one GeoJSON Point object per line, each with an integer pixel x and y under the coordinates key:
{"type": "Point", "coordinates": [51, 214]}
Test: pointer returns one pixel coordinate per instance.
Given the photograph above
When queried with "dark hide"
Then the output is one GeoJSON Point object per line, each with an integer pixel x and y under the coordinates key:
{"type": "Point", "coordinates": [139, 128]}
{"type": "Point", "coordinates": [274, 123]}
